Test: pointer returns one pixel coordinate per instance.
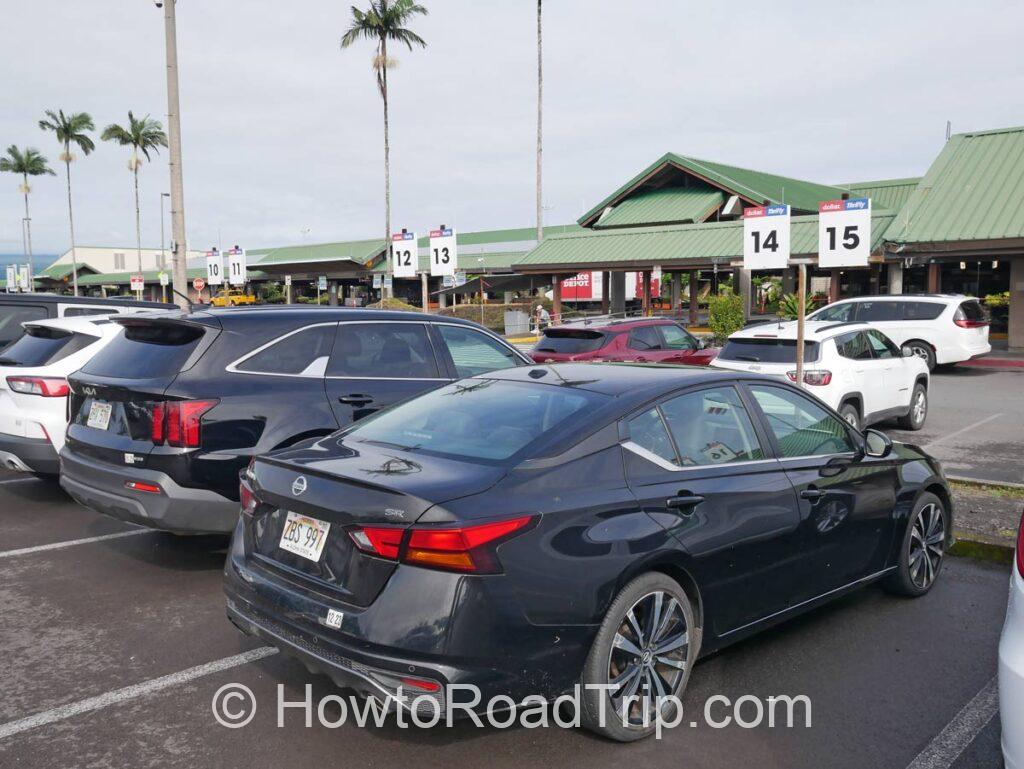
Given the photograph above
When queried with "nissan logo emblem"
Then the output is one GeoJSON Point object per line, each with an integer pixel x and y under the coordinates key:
{"type": "Point", "coordinates": [299, 485]}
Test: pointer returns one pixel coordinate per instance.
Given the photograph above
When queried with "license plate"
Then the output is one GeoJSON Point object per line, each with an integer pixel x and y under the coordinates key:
{"type": "Point", "coordinates": [304, 536]}
{"type": "Point", "coordinates": [99, 415]}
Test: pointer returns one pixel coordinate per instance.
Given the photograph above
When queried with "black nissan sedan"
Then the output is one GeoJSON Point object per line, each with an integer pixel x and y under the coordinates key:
{"type": "Point", "coordinates": [532, 529]}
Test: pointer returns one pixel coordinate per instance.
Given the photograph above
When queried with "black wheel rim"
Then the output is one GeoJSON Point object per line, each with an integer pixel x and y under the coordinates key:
{"type": "Point", "coordinates": [649, 657]}
{"type": "Point", "coordinates": [927, 545]}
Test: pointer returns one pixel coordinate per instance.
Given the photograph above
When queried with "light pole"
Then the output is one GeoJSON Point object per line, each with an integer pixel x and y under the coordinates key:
{"type": "Point", "coordinates": [163, 251]}
{"type": "Point", "coordinates": [178, 244]}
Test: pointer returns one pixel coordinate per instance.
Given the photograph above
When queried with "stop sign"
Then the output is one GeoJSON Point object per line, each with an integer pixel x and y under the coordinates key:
{"type": "Point", "coordinates": [198, 283]}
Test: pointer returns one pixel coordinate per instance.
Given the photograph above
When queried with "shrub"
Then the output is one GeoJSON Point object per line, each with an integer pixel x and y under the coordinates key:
{"type": "Point", "coordinates": [789, 305]}
{"type": "Point", "coordinates": [725, 315]}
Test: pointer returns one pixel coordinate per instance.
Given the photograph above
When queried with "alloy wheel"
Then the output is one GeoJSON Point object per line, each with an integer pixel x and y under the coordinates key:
{"type": "Point", "coordinates": [927, 545]}
{"type": "Point", "coordinates": [648, 658]}
{"type": "Point", "coordinates": [919, 351]}
{"type": "Point", "coordinates": [919, 408]}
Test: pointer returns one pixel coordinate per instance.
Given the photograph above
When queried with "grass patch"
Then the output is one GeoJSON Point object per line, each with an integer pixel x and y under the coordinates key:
{"type": "Point", "coordinates": [991, 490]}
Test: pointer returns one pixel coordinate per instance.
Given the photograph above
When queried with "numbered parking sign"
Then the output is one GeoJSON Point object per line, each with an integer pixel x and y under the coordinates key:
{"type": "Point", "coordinates": [214, 268]}
{"type": "Point", "coordinates": [404, 254]}
{"type": "Point", "coordinates": [444, 254]}
{"type": "Point", "coordinates": [236, 266]}
{"type": "Point", "coordinates": [766, 237]}
{"type": "Point", "coordinates": [844, 233]}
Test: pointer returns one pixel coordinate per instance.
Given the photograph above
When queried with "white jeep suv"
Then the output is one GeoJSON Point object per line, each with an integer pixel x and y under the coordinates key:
{"type": "Point", "coordinates": [852, 367]}
{"type": "Point", "coordinates": [939, 328]}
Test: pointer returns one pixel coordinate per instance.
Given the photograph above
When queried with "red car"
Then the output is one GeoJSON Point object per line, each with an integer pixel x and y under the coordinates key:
{"type": "Point", "coordinates": [651, 340]}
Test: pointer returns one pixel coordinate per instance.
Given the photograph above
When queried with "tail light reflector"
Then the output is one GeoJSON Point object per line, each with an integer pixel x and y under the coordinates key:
{"type": "Point", "coordinates": [1020, 547]}
{"type": "Point", "coordinates": [179, 423]}
{"type": "Point", "coordinates": [150, 488]}
{"type": "Point", "coordinates": [816, 377]}
{"type": "Point", "coordinates": [47, 387]}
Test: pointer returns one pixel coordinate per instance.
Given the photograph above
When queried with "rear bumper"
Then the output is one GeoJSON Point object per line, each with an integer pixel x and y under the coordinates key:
{"type": "Point", "coordinates": [175, 508]}
{"type": "Point", "coordinates": [962, 352]}
{"type": "Point", "coordinates": [32, 455]}
{"type": "Point", "coordinates": [1011, 676]}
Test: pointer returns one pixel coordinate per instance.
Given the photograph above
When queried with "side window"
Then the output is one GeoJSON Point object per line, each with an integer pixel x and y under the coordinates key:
{"type": "Point", "coordinates": [881, 345]}
{"type": "Point", "coordinates": [801, 427]}
{"type": "Point", "coordinates": [303, 353]}
{"type": "Point", "coordinates": [475, 353]}
{"type": "Point", "coordinates": [838, 313]}
{"type": "Point", "coordinates": [383, 351]}
{"type": "Point", "coordinates": [648, 431]}
{"type": "Point", "coordinates": [854, 346]}
{"type": "Point", "coordinates": [711, 427]}
{"type": "Point", "coordinates": [676, 338]}
{"type": "Point", "coordinates": [11, 318]}
{"type": "Point", "coordinates": [878, 311]}
{"type": "Point", "coordinates": [645, 338]}
{"type": "Point", "coordinates": [922, 310]}
{"type": "Point", "coordinates": [77, 312]}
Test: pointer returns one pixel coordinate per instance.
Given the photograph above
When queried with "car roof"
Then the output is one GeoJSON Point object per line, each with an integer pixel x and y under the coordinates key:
{"type": "Point", "coordinates": [606, 324]}
{"type": "Point", "coordinates": [814, 330]}
{"type": "Point", "coordinates": [324, 313]}
{"type": "Point", "coordinates": [94, 325]}
{"type": "Point", "coordinates": [42, 298]}
{"type": "Point", "coordinates": [898, 298]}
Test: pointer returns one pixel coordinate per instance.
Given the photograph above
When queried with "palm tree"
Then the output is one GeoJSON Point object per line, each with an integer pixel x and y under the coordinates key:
{"type": "Point", "coordinates": [70, 129]}
{"type": "Point", "coordinates": [145, 136]}
{"type": "Point", "coordinates": [385, 20]}
{"type": "Point", "coordinates": [540, 113]}
{"type": "Point", "coordinates": [27, 163]}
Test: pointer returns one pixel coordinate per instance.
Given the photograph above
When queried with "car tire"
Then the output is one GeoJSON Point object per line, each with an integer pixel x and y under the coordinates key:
{"type": "Point", "coordinates": [914, 420]}
{"type": "Point", "coordinates": [921, 350]}
{"type": "Point", "coordinates": [626, 629]}
{"type": "Point", "coordinates": [850, 414]}
{"type": "Point", "coordinates": [925, 534]}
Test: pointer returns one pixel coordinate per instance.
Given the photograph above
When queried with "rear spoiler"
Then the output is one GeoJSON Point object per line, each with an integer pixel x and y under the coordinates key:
{"type": "Point", "coordinates": [169, 318]}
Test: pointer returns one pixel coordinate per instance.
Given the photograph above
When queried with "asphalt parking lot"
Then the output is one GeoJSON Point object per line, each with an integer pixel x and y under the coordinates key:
{"type": "Point", "coordinates": [105, 642]}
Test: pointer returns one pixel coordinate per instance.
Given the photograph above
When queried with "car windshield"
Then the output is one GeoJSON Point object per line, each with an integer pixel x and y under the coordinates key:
{"type": "Point", "coordinates": [767, 350]}
{"type": "Point", "coordinates": [570, 340]}
{"type": "Point", "coordinates": [484, 419]}
{"type": "Point", "coordinates": [42, 345]}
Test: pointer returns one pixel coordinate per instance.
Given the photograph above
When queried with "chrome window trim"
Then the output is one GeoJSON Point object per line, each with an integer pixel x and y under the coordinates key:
{"type": "Point", "coordinates": [232, 368]}
{"type": "Point", "coordinates": [664, 464]}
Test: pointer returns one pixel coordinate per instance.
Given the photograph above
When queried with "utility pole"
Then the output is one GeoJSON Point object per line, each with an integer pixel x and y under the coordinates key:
{"type": "Point", "coordinates": [163, 250]}
{"type": "Point", "coordinates": [540, 125]}
{"type": "Point", "coordinates": [179, 280]}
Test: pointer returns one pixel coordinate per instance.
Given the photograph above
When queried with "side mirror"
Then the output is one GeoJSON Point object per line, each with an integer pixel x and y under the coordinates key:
{"type": "Point", "coordinates": [702, 344]}
{"type": "Point", "coordinates": [877, 444]}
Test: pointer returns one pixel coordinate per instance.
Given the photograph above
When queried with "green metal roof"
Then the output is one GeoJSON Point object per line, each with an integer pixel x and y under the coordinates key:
{"type": "Point", "coordinates": [472, 263]}
{"type": "Point", "coordinates": [973, 191]}
{"type": "Point", "coordinates": [673, 244]}
{"type": "Point", "coordinates": [125, 278]}
{"type": "Point", "coordinates": [753, 186]}
{"type": "Point", "coordinates": [664, 205]}
{"type": "Point", "coordinates": [59, 271]}
{"type": "Point", "coordinates": [486, 237]}
{"type": "Point", "coordinates": [359, 251]}
{"type": "Point", "coordinates": [886, 193]}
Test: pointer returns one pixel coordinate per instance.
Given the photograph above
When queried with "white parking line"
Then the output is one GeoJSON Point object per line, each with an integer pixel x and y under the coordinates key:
{"type": "Point", "coordinates": [72, 543]}
{"type": "Point", "coordinates": [131, 692]}
{"type": "Point", "coordinates": [5, 481]}
{"type": "Point", "coordinates": [948, 744]}
{"type": "Point", "coordinates": [962, 430]}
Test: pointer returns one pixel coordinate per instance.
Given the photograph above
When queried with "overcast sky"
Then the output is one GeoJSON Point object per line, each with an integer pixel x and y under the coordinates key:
{"type": "Point", "coordinates": [282, 131]}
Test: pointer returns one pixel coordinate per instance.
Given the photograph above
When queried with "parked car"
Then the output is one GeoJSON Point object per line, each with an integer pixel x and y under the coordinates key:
{"type": "Point", "coordinates": [655, 340]}
{"type": "Point", "coordinates": [938, 328]}
{"type": "Point", "coordinates": [590, 524]}
{"type": "Point", "coordinates": [16, 309]}
{"type": "Point", "coordinates": [853, 367]}
{"type": "Point", "coordinates": [1011, 665]}
{"type": "Point", "coordinates": [232, 297]}
{"type": "Point", "coordinates": [165, 417]}
{"type": "Point", "coordinates": [34, 388]}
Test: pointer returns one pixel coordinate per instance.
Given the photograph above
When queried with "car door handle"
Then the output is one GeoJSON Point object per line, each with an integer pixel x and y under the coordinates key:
{"type": "Point", "coordinates": [684, 503]}
{"type": "Point", "coordinates": [812, 494]}
{"type": "Point", "coordinates": [355, 399]}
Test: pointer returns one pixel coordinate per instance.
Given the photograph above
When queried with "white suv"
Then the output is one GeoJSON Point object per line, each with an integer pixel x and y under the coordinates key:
{"type": "Point", "coordinates": [940, 328]}
{"type": "Point", "coordinates": [34, 388]}
{"type": "Point", "coordinates": [852, 367]}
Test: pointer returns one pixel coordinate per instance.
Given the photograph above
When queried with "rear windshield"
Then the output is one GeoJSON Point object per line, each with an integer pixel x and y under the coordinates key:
{"type": "Point", "coordinates": [42, 346]}
{"type": "Point", "coordinates": [146, 351]}
{"type": "Point", "coordinates": [972, 310]}
{"type": "Point", "coordinates": [566, 340]}
{"type": "Point", "coordinates": [476, 418]}
{"type": "Point", "coordinates": [767, 350]}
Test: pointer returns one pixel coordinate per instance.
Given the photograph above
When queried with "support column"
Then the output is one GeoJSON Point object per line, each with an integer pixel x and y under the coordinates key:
{"type": "Point", "coordinates": [694, 296]}
{"type": "Point", "coordinates": [895, 278]}
{"type": "Point", "coordinates": [934, 278]}
{"type": "Point", "coordinates": [606, 288]}
{"type": "Point", "coordinates": [425, 291]}
{"type": "Point", "coordinates": [741, 281]}
{"type": "Point", "coordinates": [645, 306]}
{"type": "Point", "coordinates": [676, 282]}
{"type": "Point", "coordinates": [789, 280]}
{"type": "Point", "coordinates": [332, 293]}
{"type": "Point", "coordinates": [556, 300]}
{"type": "Point", "coordinates": [1015, 326]}
{"type": "Point", "coordinates": [617, 292]}
{"type": "Point", "coordinates": [874, 279]}
{"type": "Point", "coordinates": [833, 286]}
{"type": "Point", "coordinates": [442, 301]}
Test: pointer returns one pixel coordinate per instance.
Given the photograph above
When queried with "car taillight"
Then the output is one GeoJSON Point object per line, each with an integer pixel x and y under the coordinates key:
{"type": "Point", "coordinates": [817, 377]}
{"type": "Point", "coordinates": [178, 423]}
{"type": "Point", "coordinates": [461, 548]}
{"type": "Point", "coordinates": [246, 496]}
{"type": "Point", "coordinates": [964, 323]}
{"type": "Point", "coordinates": [47, 387]}
{"type": "Point", "coordinates": [1020, 547]}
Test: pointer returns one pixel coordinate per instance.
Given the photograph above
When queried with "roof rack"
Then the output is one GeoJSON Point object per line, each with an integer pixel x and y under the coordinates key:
{"type": "Point", "coordinates": [843, 323]}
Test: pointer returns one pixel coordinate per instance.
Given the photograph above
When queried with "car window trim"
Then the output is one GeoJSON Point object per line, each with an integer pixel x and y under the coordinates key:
{"type": "Point", "coordinates": [854, 436]}
{"type": "Point", "coordinates": [232, 368]}
{"type": "Point", "coordinates": [447, 356]}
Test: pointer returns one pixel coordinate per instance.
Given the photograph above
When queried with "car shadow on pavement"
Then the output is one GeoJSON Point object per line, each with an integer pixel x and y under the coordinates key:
{"type": "Point", "coordinates": [172, 552]}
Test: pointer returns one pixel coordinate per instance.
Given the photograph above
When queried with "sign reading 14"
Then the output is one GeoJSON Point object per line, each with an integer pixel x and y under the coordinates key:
{"type": "Point", "coordinates": [766, 237]}
{"type": "Point", "coordinates": [444, 253]}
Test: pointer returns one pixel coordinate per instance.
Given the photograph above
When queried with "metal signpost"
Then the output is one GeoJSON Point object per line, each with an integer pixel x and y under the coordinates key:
{"type": "Point", "coordinates": [138, 284]}
{"type": "Point", "coordinates": [164, 280]}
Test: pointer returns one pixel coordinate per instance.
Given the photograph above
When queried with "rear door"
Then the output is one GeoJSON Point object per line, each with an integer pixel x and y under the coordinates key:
{"type": "Point", "coordinates": [889, 358]}
{"type": "Point", "coordinates": [375, 364]}
{"type": "Point", "coordinates": [678, 345]}
{"type": "Point", "coordinates": [870, 374]}
{"type": "Point", "coordinates": [698, 465]}
{"type": "Point", "coordinates": [468, 351]}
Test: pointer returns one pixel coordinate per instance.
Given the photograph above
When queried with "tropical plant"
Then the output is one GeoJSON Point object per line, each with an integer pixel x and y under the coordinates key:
{"type": "Point", "coordinates": [70, 129]}
{"type": "Point", "coordinates": [144, 136]}
{"type": "Point", "coordinates": [381, 22]}
{"type": "Point", "coordinates": [27, 162]}
{"type": "Point", "coordinates": [725, 315]}
{"type": "Point", "coordinates": [789, 305]}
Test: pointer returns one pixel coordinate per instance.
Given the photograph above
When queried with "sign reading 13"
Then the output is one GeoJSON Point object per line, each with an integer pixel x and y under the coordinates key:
{"type": "Point", "coordinates": [404, 254]}
{"type": "Point", "coordinates": [443, 252]}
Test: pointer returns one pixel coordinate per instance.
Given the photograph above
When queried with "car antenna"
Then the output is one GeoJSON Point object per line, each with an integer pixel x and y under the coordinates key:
{"type": "Point", "coordinates": [191, 306]}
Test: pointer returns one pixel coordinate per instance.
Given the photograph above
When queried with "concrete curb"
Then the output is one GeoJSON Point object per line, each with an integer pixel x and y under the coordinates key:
{"type": "Point", "coordinates": [982, 548]}
{"type": "Point", "coordinates": [982, 482]}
